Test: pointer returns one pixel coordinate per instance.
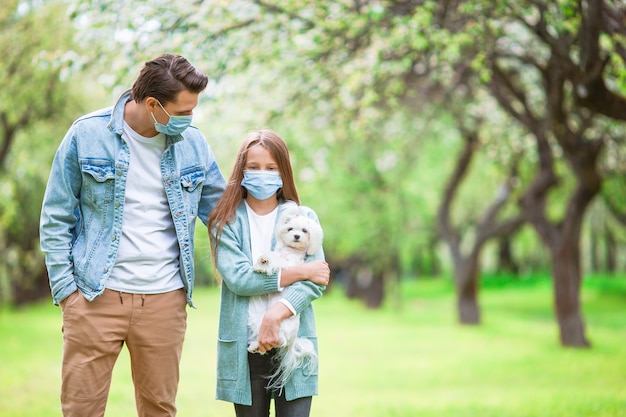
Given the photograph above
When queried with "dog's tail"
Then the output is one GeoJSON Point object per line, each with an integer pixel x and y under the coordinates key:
{"type": "Point", "coordinates": [290, 357]}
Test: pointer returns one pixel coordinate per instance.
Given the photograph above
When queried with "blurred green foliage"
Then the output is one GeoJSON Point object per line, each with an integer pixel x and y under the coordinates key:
{"type": "Point", "coordinates": [362, 93]}
{"type": "Point", "coordinates": [36, 106]}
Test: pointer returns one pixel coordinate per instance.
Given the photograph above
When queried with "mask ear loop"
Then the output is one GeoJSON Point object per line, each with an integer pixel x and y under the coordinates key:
{"type": "Point", "coordinates": [152, 112]}
{"type": "Point", "coordinates": [168, 115]}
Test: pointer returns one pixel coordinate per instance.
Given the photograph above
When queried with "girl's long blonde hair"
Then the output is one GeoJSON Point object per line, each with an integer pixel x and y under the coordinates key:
{"type": "Point", "coordinates": [224, 212]}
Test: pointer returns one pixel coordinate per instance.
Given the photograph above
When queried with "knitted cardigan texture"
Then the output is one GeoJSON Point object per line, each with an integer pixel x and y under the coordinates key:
{"type": "Point", "coordinates": [239, 282]}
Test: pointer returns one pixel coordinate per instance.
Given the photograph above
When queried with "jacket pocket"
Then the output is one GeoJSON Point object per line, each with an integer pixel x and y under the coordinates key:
{"type": "Point", "coordinates": [192, 178]}
{"type": "Point", "coordinates": [98, 180]}
{"type": "Point", "coordinates": [100, 169]}
{"type": "Point", "coordinates": [227, 359]}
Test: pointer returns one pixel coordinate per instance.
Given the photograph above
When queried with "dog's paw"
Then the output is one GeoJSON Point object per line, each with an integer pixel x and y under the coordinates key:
{"type": "Point", "coordinates": [253, 347]}
{"type": "Point", "coordinates": [263, 265]}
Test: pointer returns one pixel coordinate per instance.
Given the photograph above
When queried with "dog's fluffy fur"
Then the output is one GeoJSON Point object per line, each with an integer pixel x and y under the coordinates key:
{"type": "Point", "coordinates": [296, 237]}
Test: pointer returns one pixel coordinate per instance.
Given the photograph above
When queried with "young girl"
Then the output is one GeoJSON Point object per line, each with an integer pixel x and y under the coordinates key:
{"type": "Point", "coordinates": [241, 226]}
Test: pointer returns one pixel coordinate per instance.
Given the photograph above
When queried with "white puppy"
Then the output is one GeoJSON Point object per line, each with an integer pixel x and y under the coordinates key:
{"type": "Point", "coordinates": [296, 237]}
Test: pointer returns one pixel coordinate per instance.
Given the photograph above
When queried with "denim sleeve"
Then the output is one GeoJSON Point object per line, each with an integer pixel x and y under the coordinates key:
{"type": "Point", "coordinates": [212, 188]}
{"type": "Point", "coordinates": [60, 218]}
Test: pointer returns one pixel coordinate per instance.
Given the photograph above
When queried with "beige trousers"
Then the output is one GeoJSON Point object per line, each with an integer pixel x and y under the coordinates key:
{"type": "Point", "coordinates": [153, 328]}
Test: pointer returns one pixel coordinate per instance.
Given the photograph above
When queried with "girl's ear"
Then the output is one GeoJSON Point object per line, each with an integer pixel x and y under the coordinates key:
{"type": "Point", "coordinates": [317, 236]}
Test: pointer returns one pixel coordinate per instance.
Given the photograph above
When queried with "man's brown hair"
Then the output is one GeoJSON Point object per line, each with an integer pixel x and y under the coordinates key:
{"type": "Point", "coordinates": [166, 76]}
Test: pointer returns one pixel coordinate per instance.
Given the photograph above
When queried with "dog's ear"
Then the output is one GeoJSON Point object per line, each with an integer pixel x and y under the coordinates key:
{"type": "Point", "coordinates": [282, 223]}
{"type": "Point", "coordinates": [289, 212]}
{"type": "Point", "coordinates": [317, 236]}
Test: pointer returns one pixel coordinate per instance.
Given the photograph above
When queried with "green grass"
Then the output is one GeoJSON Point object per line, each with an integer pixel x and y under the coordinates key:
{"type": "Point", "coordinates": [407, 359]}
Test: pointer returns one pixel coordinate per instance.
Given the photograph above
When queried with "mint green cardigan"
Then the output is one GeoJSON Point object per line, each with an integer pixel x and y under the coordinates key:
{"type": "Point", "coordinates": [239, 282]}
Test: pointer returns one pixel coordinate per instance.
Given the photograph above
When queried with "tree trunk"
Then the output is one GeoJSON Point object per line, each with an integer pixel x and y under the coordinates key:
{"type": "Point", "coordinates": [365, 283]}
{"type": "Point", "coordinates": [610, 248]}
{"type": "Point", "coordinates": [567, 280]}
{"type": "Point", "coordinates": [563, 241]}
{"type": "Point", "coordinates": [593, 248]}
{"type": "Point", "coordinates": [466, 267]}
{"type": "Point", "coordinates": [506, 263]}
{"type": "Point", "coordinates": [375, 293]}
{"type": "Point", "coordinates": [466, 276]}
{"type": "Point", "coordinates": [38, 289]}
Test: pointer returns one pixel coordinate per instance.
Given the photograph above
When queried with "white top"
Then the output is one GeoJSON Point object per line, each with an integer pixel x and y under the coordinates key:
{"type": "Point", "coordinates": [261, 233]}
{"type": "Point", "coordinates": [148, 255]}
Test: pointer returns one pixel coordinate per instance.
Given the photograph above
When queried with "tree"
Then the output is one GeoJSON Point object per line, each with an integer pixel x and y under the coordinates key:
{"type": "Point", "coordinates": [557, 68]}
{"type": "Point", "coordinates": [568, 60]}
{"type": "Point", "coordinates": [557, 89]}
{"type": "Point", "coordinates": [34, 70]}
{"type": "Point", "coordinates": [35, 67]}
{"type": "Point", "coordinates": [607, 214]}
{"type": "Point", "coordinates": [467, 265]}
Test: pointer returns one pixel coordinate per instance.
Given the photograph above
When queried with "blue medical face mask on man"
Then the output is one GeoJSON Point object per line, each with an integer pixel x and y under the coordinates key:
{"type": "Point", "coordinates": [175, 126]}
{"type": "Point", "coordinates": [261, 184]}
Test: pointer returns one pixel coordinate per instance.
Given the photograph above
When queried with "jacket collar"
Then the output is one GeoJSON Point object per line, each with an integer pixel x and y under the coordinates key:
{"type": "Point", "coordinates": [116, 125]}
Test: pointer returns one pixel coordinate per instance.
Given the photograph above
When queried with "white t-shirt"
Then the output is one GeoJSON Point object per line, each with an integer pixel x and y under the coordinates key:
{"type": "Point", "coordinates": [261, 233]}
{"type": "Point", "coordinates": [148, 254]}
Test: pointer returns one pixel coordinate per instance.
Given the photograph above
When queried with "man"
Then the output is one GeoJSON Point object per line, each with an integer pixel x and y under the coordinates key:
{"type": "Point", "coordinates": [117, 228]}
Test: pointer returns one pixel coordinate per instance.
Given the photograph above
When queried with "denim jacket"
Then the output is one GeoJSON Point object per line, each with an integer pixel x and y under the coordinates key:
{"type": "Point", "coordinates": [234, 263]}
{"type": "Point", "coordinates": [83, 206]}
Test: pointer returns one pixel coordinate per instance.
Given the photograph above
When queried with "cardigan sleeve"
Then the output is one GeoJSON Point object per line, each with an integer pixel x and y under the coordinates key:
{"type": "Point", "coordinates": [302, 293]}
{"type": "Point", "coordinates": [235, 267]}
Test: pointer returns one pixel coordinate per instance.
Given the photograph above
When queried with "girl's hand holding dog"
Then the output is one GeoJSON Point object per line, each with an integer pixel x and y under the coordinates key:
{"type": "Point", "coordinates": [318, 272]}
{"type": "Point", "coordinates": [269, 332]}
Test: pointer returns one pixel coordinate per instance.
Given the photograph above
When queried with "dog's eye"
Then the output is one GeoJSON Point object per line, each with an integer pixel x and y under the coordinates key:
{"type": "Point", "coordinates": [305, 231]}
{"type": "Point", "coordinates": [289, 229]}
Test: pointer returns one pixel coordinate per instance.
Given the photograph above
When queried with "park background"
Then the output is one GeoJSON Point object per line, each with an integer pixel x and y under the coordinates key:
{"type": "Point", "coordinates": [466, 159]}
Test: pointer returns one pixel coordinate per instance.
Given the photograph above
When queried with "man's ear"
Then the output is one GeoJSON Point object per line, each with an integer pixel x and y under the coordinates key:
{"type": "Point", "coordinates": [151, 104]}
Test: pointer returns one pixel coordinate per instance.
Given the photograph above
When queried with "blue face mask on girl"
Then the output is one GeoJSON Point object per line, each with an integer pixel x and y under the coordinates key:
{"type": "Point", "coordinates": [261, 184]}
{"type": "Point", "coordinates": [175, 126]}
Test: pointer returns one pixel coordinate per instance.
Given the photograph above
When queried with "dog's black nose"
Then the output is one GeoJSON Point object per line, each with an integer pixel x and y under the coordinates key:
{"type": "Point", "coordinates": [296, 237]}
